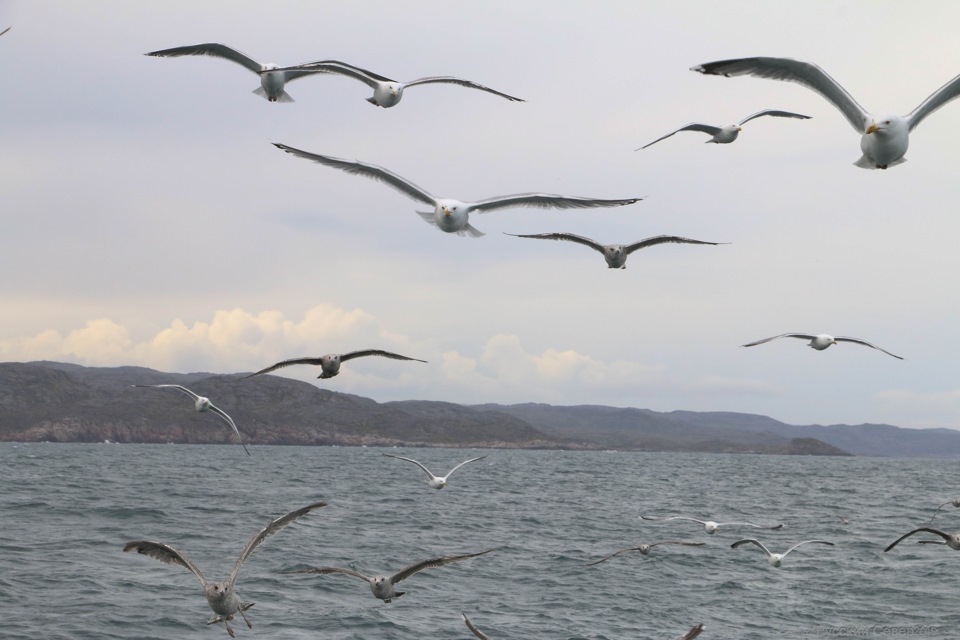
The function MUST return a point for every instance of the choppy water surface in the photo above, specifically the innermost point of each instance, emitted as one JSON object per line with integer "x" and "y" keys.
{"x": 67, "y": 510}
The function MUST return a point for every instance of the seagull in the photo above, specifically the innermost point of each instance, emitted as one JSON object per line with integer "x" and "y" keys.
{"x": 330, "y": 363}
{"x": 452, "y": 215}
{"x": 728, "y": 133}
{"x": 689, "y": 635}
{"x": 952, "y": 540}
{"x": 955, "y": 502}
{"x": 644, "y": 549}
{"x": 614, "y": 254}
{"x": 775, "y": 559}
{"x": 386, "y": 92}
{"x": 437, "y": 482}
{"x": 272, "y": 78}
{"x": 712, "y": 527}
{"x": 884, "y": 139}
{"x": 220, "y": 595}
{"x": 821, "y": 341}
{"x": 202, "y": 404}
{"x": 382, "y": 586}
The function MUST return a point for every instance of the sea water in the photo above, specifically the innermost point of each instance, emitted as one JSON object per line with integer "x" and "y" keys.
{"x": 66, "y": 511}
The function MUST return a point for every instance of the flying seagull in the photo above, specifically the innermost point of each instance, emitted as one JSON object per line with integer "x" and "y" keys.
{"x": 884, "y": 139}
{"x": 221, "y": 596}
{"x": 437, "y": 482}
{"x": 821, "y": 341}
{"x": 383, "y": 586}
{"x": 955, "y": 502}
{"x": 614, "y": 254}
{"x": 448, "y": 214}
{"x": 775, "y": 559}
{"x": 202, "y": 404}
{"x": 386, "y": 92}
{"x": 689, "y": 635}
{"x": 272, "y": 78}
{"x": 712, "y": 527}
{"x": 727, "y": 133}
{"x": 952, "y": 540}
{"x": 330, "y": 363}
{"x": 644, "y": 549}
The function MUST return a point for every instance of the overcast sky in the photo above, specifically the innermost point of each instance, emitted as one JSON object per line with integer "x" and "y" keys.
{"x": 146, "y": 219}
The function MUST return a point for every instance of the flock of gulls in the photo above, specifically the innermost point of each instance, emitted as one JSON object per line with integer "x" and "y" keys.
{"x": 883, "y": 144}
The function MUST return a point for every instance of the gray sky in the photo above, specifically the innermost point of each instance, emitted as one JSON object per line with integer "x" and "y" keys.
{"x": 146, "y": 218}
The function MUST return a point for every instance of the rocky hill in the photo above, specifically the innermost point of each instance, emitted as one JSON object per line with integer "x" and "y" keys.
{"x": 70, "y": 403}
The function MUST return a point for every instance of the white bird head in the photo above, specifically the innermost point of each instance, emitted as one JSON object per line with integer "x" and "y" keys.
{"x": 886, "y": 125}
{"x": 216, "y": 591}
{"x": 775, "y": 559}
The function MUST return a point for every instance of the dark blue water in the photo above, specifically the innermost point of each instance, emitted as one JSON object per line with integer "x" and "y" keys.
{"x": 67, "y": 510}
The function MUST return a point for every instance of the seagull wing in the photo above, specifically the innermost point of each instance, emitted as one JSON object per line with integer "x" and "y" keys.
{"x": 390, "y": 455}
{"x": 368, "y": 171}
{"x": 612, "y": 555}
{"x": 546, "y": 201}
{"x": 4, "y": 31}
{"x": 267, "y": 531}
{"x": 287, "y": 363}
{"x": 806, "y": 542}
{"x": 804, "y": 73}
{"x": 649, "y": 242}
{"x": 751, "y": 541}
{"x": 803, "y": 336}
{"x": 463, "y": 83}
{"x": 223, "y": 414}
{"x": 406, "y": 572}
{"x": 463, "y": 463}
{"x": 341, "y": 68}
{"x": 570, "y": 237}
{"x": 693, "y": 633}
{"x": 937, "y": 99}
{"x": 750, "y": 524}
{"x": 866, "y": 344}
{"x": 214, "y": 49}
{"x": 773, "y": 112}
{"x": 165, "y": 554}
{"x": 693, "y": 126}
{"x": 472, "y": 628}
{"x": 673, "y": 518}
{"x": 907, "y": 535}
{"x": 375, "y": 352}
{"x": 180, "y": 388}
{"x": 953, "y": 502}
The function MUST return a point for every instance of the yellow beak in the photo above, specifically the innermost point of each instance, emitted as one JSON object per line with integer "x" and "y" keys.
{"x": 873, "y": 128}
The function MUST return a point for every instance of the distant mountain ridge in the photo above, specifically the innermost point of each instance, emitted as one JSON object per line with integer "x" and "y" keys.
{"x": 64, "y": 402}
